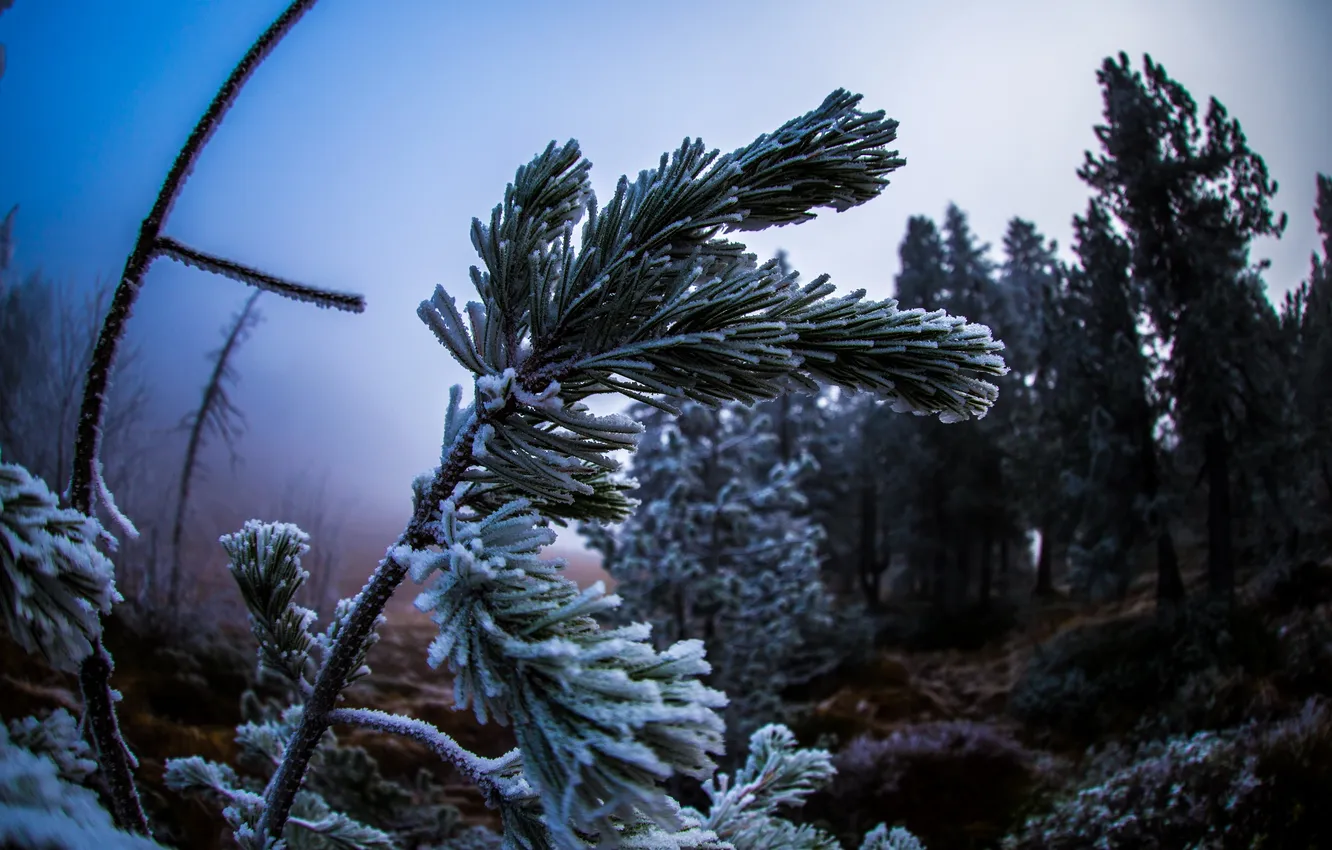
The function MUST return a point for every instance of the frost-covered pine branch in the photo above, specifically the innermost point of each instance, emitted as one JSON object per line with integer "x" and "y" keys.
{"x": 651, "y": 303}
{"x": 779, "y": 775}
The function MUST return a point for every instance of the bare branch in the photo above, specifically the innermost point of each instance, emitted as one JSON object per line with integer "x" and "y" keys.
{"x": 347, "y": 301}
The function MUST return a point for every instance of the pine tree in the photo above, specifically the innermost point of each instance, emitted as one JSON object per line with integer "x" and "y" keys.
{"x": 978, "y": 503}
{"x": 1028, "y": 285}
{"x": 923, "y": 280}
{"x": 1191, "y": 196}
{"x": 724, "y": 550}
{"x": 1306, "y": 328}
{"x": 1106, "y": 405}
{"x": 217, "y": 416}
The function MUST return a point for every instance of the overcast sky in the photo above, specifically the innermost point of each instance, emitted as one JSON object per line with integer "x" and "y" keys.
{"x": 361, "y": 150}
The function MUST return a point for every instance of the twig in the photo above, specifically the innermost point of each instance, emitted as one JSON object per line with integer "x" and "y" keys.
{"x": 94, "y": 677}
{"x": 348, "y": 301}
{"x": 479, "y": 770}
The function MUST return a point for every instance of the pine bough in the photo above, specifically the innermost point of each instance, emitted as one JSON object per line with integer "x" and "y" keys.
{"x": 649, "y": 299}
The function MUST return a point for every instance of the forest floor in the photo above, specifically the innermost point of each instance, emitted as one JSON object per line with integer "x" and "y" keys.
{"x": 182, "y": 700}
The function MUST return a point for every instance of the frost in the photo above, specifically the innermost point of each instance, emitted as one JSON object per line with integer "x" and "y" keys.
{"x": 109, "y": 502}
{"x": 54, "y": 580}
{"x": 39, "y": 808}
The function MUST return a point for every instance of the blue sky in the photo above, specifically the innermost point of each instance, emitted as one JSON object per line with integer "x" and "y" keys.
{"x": 362, "y": 148}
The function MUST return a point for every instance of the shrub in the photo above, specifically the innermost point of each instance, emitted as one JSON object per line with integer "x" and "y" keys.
{"x": 1290, "y": 585}
{"x": 1262, "y": 785}
{"x": 342, "y": 779}
{"x": 40, "y": 807}
{"x": 951, "y": 782}
{"x": 1101, "y": 680}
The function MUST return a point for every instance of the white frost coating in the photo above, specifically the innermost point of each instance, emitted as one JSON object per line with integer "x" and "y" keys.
{"x": 494, "y": 389}
{"x": 52, "y": 575}
{"x": 548, "y": 399}
{"x": 475, "y": 767}
{"x": 420, "y": 563}
{"x": 483, "y": 436}
{"x": 104, "y": 494}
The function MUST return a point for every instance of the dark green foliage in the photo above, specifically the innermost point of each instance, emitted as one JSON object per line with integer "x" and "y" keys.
{"x": 1104, "y": 408}
{"x": 1256, "y": 786}
{"x": 1306, "y": 332}
{"x": 950, "y": 510}
{"x": 1297, "y": 600}
{"x": 1191, "y": 196}
{"x": 1102, "y": 680}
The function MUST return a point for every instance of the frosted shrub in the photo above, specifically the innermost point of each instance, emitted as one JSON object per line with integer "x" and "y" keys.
{"x": 1255, "y": 786}
{"x": 648, "y": 298}
{"x": 1105, "y": 678}
{"x": 39, "y": 807}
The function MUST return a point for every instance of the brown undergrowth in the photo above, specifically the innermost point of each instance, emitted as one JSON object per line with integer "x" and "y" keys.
{"x": 930, "y": 734}
{"x": 182, "y": 697}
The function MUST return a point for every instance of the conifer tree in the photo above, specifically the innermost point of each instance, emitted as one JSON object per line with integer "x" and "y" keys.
{"x": 217, "y": 416}
{"x": 724, "y": 550}
{"x": 922, "y": 280}
{"x": 1112, "y": 456}
{"x": 1028, "y": 285}
{"x": 977, "y": 504}
{"x": 1191, "y": 195}
{"x": 1306, "y": 327}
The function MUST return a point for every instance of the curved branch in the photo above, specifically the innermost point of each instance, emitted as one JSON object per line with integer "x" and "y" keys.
{"x": 114, "y": 757}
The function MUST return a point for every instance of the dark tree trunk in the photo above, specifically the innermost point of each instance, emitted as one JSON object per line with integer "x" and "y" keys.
{"x": 1169, "y": 582}
{"x": 922, "y": 576}
{"x": 681, "y": 615}
{"x": 986, "y": 575}
{"x": 939, "y": 580}
{"x": 1220, "y": 551}
{"x": 1044, "y": 574}
{"x": 870, "y": 572}
{"x": 962, "y": 576}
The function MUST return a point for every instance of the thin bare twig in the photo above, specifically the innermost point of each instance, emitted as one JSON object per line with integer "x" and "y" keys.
{"x": 348, "y": 301}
